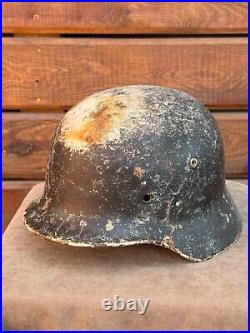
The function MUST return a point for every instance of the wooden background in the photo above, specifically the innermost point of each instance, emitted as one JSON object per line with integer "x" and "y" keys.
{"x": 55, "y": 54}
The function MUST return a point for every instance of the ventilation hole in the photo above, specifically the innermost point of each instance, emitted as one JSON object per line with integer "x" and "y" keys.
{"x": 193, "y": 162}
{"x": 146, "y": 197}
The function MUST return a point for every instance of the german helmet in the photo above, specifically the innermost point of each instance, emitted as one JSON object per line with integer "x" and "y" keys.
{"x": 137, "y": 165}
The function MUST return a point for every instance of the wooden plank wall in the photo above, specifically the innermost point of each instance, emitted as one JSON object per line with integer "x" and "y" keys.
{"x": 55, "y": 54}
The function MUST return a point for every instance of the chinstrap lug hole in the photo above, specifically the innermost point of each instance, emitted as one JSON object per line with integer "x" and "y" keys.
{"x": 193, "y": 162}
{"x": 147, "y": 197}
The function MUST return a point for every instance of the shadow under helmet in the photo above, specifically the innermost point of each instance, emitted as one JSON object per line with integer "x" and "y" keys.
{"x": 137, "y": 165}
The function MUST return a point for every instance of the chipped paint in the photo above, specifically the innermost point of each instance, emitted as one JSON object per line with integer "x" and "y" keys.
{"x": 109, "y": 226}
{"x": 98, "y": 126}
{"x": 99, "y": 119}
{"x": 137, "y": 165}
{"x": 83, "y": 223}
{"x": 168, "y": 242}
{"x": 139, "y": 172}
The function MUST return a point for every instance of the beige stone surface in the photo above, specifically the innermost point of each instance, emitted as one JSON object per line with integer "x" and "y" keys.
{"x": 49, "y": 286}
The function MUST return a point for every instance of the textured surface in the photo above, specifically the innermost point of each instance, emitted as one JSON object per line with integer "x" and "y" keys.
{"x": 50, "y": 286}
{"x": 13, "y": 193}
{"x": 118, "y": 18}
{"x": 26, "y": 138}
{"x": 61, "y": 71}
{"x": 137, "y": 164}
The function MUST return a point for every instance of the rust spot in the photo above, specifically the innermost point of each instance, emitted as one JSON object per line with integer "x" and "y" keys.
{"x": 139, "y": 172}
{"x": 168, "y": 242}
{"x": 95, "y": 129}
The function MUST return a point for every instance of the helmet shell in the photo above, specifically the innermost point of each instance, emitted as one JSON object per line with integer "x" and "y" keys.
{"x": 137, "y": 164}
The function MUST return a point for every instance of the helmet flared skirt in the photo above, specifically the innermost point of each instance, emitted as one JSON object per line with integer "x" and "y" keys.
{"x": 196, "y": 236}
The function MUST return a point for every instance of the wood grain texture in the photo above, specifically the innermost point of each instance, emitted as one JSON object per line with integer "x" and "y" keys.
{"x": 56, "y": 73}
{"x": 26, "y": 140}
{"x": 234, "y": 128}
{"x": 13, "y": 193}
{"x": 125, "y": 18}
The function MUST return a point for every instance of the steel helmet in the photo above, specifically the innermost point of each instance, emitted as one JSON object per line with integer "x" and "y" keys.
{"x": 137, "y": 165}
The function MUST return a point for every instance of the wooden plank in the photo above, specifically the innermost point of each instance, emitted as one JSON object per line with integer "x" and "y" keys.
{"x": 125, "y": 18}
{"x": 234, "y": 128}
{"x": 13, "y": 193}
{"x": 26, "y": 140}
{"x": 56, "y": 73}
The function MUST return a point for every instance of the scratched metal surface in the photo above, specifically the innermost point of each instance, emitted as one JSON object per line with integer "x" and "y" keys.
{"x": 53, "y": 287}
{"x": 138, "y": 165}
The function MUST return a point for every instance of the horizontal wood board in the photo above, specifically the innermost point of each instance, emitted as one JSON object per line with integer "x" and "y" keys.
{"x": 125, "y": 18}
{"x": 55, "y": 73}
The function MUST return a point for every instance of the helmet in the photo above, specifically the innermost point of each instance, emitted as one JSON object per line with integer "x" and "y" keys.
{"x": 137, "y": 165}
